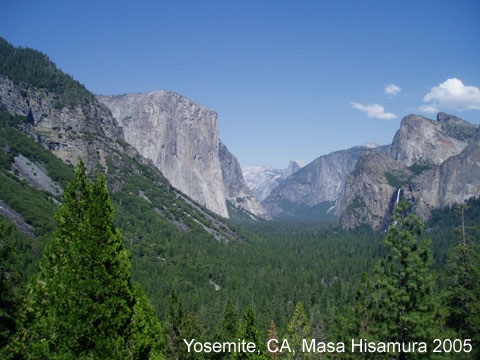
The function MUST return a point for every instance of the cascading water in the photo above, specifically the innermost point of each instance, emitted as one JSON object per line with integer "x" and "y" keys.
{"x": 399, "y": 192}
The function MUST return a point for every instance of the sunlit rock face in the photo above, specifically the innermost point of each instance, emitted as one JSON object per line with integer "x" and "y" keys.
{"x": 434, "y": 163}
{"x": 425, "y": 140}
{"x": 261, "y": 180}
{"x": 236, "y": 189}
{"x": 180, "y": 137}
{"x": 460, "y": 174}
{"x": 318, "y": 182}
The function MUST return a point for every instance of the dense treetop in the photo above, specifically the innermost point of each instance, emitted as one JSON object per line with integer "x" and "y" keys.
{"x": 35, "y": 68}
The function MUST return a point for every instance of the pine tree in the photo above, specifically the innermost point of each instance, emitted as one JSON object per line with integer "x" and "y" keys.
{"x": 228, "y": 329}
{"x": 174, "y": 322}
{"x": 273, "y": 335}
{"x": 191, "y": 328}
{"x": 9, "y": 284}
{"x": 82, "y": 303}
{"x": 462, "y": 297}
{"x": 298, "y": 329}
{"x": 248, "y": 331}
{"x": 401, "y": 307}
{"x": 364, "y": 306}
{"x": 229, "y": 322}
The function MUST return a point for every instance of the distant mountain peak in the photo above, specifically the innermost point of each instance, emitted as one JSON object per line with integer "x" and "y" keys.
{"x": 262, "y": 179}
{"x": 371, "y": 145}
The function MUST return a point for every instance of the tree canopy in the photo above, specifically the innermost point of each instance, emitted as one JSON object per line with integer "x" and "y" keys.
{"x": 82, "y": 303}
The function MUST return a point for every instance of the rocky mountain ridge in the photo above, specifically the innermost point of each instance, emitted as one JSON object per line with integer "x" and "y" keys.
{"x": 420, "y": 139}
{"x": 181, "y": 138}
{"x": 47, "y": 107}
{"x": 319, "y": 182}
{"x": 434, "y": 163}
{"x": 237, "y": 193}
{"x": 263, "y": 179}
{"x": 68, "y": 131}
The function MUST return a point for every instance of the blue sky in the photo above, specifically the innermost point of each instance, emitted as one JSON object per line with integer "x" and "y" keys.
{"x": 289, "y": 79}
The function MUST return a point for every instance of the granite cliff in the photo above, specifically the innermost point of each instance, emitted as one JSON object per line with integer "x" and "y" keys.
{"x": 82, "y": 128}
{"x": 57, "y": 112}
{"x": 263, "y": 179}
{"x": 434, "y": 163}
{"x": 236, "y": 190}
{"x": 181, "y": 138}
{"x": 459, "y": 175}
{"x": 317, "y": 185}
{"x": 420, "y": 139}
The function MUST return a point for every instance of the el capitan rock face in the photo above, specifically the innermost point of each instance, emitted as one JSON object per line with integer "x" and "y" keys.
{"x": 181, "y": 138}
{"x": 57, "y": 112}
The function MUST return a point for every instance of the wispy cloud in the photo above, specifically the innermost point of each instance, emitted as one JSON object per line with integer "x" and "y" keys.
{"x": 392, "y": 89}
{"x": 374, "y": 111}
{"x": 451, "y": 94}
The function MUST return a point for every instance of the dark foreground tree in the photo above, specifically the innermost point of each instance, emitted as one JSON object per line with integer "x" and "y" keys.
{"x": 401, "y": 307}
{"x": 82, "y": 304}
{"x": 248, "y": 331}
{"x": 462, "y": 295}
{"x": 9, "y": 284}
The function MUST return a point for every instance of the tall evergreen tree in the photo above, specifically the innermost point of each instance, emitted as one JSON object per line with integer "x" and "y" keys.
{"x": 401, "y": 307}
{"x": 82, "y": 303}
{"x": 191, "y": 328}
{"x": 273, "y": 335}
{"x": 248, "y": 331}
{"x": 175, "y": 316}
{"x": 9, "y": 284}
{"x": 229, "y": 322}
{"x": 462, "y": 297}
{"x": 298, "y": 329}
{"x": 228, "y": 329}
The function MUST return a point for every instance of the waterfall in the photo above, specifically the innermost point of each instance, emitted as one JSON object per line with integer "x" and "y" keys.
{"x": 399, "y": 191}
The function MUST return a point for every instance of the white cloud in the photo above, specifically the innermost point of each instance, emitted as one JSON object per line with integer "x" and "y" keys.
{"x": 392, "y": 89}
{"x": 374, "y": 111}
{"x": 430, "y": 109}
{"x": 452, "y": 94}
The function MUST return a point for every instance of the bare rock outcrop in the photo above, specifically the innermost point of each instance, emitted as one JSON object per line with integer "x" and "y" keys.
{"x": 179, "y": 136}
{"x": 432, "y": 163}
{"x": 236, "y": 189}
{"x": 261, "y": 180}
{"x": 368, "y": 193}
{"x": 318, "y": 182}
{"x": 69, "y": 131}
{"x": 420, "y": 139}
{"x": 460, "y": 175}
